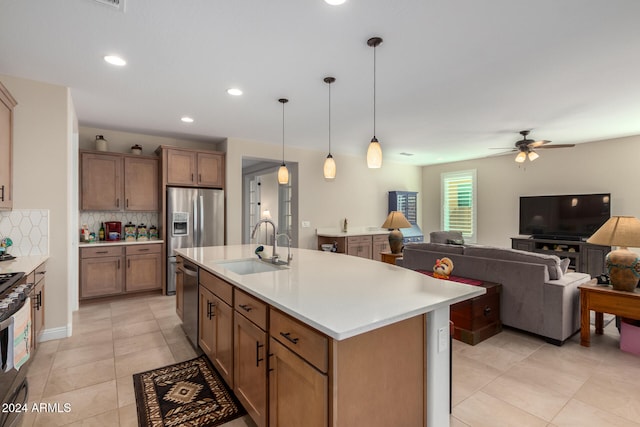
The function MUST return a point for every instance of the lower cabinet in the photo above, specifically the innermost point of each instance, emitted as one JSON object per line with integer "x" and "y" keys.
{"x": 251, "y": 368}
{"x": 365, "y": 246}
{"x": 179, "y": 288}
{"x": 37, "y": 279}
{"x": 297, "y": 391}
{"x": 115, "y": 270}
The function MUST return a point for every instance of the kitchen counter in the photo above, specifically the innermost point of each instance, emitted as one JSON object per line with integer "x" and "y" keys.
{"x": 351, "y": 231}
{"x": 339, "y": 295}
{"x": 25, "y": 264}
{"x": 117, "y": 243}
{"x": 351, "y": 299}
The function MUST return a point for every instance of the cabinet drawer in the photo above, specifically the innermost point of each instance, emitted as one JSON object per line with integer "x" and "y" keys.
{"x": 302, "y": 340}
{"x": 251, "y": 308}
{"x": 101, "y": 252}
{"x": 153, "y": 248}
{"x": 217, "y": 286}
{"x": 359, "y": 240}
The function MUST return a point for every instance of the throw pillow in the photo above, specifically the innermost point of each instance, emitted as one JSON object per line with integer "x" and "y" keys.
{"x": 564, "y": 265}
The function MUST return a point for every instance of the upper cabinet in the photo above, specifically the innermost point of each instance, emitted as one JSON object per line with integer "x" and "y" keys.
{"x": 116, "y": 182}
{"x": 193, "y": 168}
{"x": 7, "y": 103}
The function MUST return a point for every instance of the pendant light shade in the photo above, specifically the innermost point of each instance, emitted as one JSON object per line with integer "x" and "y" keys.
{"x": 283, "y": 172}
{"x": 374, "y": 152}
{"x": 329, "y": 163}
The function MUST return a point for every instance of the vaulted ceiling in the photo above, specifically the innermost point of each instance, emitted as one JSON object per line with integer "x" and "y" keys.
{"x": 454, "y": 78}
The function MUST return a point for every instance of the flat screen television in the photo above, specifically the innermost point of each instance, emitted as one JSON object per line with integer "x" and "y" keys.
{"x": 564, "y": 217}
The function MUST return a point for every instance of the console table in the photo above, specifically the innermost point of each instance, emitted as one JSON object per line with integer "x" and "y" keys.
{"x": 585, "y": 257}
{"x": 603, "y": 299}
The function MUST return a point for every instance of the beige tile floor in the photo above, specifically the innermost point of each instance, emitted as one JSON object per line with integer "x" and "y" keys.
{"x": 511, "y": 379}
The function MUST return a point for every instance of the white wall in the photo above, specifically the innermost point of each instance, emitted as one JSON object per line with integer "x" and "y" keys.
{"x": 42, "y": 169}
{"x": 609, "y": 166}
{"x": 358, "y": 193}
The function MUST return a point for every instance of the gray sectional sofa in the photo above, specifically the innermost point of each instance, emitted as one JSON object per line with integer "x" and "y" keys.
{"x": 538, "y": 294}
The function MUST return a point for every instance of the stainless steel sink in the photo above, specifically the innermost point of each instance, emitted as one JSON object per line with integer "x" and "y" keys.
{"x": 250, "y": 266}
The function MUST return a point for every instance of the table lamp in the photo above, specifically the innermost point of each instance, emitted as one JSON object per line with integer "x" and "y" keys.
{"x": 622, "y": 264}
{"x": 396, "y": 220}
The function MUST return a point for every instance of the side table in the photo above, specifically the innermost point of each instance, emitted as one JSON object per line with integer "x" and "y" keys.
{"x": 603, "y": 299}
{"x": 390, "y": 258}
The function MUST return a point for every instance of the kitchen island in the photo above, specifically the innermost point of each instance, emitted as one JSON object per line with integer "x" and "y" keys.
{"x": 378, "y": 335}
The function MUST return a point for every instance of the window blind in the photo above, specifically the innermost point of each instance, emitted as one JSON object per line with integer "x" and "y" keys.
{"x": 458, "y": 203}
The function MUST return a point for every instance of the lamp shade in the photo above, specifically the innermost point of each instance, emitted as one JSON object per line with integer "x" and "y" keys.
{"x": 329, "y": 167}
{"x": 396, "y": 219}
{"x": 374, "y": 154}
{"x": 283, "y": 174}
{"x": 521, "y": 157}
{"x": 618, "y": 231}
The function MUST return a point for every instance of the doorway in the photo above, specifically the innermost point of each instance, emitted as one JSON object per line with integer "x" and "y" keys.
{"x": 263, "y": 197}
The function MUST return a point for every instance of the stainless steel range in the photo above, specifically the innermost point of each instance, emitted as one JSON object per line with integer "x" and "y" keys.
{"x": 14, "y": 388}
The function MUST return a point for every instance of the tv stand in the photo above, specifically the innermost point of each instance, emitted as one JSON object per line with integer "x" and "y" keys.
{"x": 585, "y": 257}
{"x": 556, "y": 237}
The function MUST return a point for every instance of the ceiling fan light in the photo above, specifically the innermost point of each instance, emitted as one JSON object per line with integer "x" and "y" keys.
{"x": 521, "y": 157}
{"x": 374, "y": 154}
{"x": 533, "y": 155}
{"x": 329, "y": 167}
{"x": 283, "y": 175}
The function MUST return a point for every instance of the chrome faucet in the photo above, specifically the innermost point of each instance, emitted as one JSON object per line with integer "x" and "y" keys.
{"x": 289, "y": 256}
{"x": 274, "y": 254}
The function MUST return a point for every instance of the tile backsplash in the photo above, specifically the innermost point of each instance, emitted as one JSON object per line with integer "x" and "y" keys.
{"x": 28, "y": 229}
{"x": 94, "y": 219}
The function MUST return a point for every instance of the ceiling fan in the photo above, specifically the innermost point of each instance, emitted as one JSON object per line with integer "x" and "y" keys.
{"x": 526, "y": 147}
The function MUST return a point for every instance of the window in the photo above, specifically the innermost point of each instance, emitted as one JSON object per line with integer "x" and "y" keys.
{"x": 459, "y": 203}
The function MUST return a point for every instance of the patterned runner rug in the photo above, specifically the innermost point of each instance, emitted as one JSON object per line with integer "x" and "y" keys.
{"x": 190, "y": 393}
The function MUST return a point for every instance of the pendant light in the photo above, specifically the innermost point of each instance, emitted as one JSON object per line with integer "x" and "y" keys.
{"x": 329, "y": 163}
{"x": 283, "y": 172}
{"x": 374, "y": 152}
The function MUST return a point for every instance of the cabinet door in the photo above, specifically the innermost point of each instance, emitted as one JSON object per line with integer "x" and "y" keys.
{"x": 250, "y": 368}
{"x": 38, "y": 318}
{"x": 223, "y": 343}
{"x": 206, "y": 326}
{"x": 211, "y": 170}
{"x": 143, "y": 272}
{"x": 101, "y": 276}
{"x": 181, "y": 167}
{"x": 140, "y": 184}
{"x": 380, "y": 244}
{"x": 101, "y": 182}
{"x": 298, "y": 393}
{"x": 180, "y": 292}
{"x": 6, "y": 136}
{"x": 592, "y": 259}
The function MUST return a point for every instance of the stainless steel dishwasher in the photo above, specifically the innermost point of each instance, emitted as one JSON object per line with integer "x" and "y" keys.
{"x": 190, "y": 314}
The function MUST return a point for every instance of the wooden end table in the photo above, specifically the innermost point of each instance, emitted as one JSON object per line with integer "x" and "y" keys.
{"x": 603, "y": 299}
{"x": 390, "y": 258}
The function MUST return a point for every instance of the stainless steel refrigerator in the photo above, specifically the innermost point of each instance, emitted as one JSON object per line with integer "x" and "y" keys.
{"x": 195, "y": 218}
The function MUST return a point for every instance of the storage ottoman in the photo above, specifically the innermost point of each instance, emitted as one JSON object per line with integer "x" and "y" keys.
{"x": 630, "y": 336}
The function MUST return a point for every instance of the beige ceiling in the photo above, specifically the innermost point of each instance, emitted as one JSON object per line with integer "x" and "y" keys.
{"x": 454, "y": 77}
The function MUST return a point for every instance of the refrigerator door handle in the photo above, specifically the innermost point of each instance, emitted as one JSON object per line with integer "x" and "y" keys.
{"x": 196, "y": 220}
{"x": 201, "y": 223}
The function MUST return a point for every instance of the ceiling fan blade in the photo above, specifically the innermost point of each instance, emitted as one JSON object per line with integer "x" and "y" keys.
{"x": 502, "y": 148}
{"x": 538, "y": 144}
{"x": 557, "y": 146}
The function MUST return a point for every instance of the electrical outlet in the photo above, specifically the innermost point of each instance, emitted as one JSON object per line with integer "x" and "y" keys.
{"x": 306, "y": 224}
{"x": 443, "y": 339}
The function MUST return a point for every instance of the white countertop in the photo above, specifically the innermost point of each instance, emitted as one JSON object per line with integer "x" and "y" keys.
{"x": 117, "y": 243}
{"x": 351, "y": 231}
{"x": 25, "y": 264}
{"x": 339, "y": 295}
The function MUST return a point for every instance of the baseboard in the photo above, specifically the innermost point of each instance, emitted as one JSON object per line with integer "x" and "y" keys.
{"x": 55, "y": 333}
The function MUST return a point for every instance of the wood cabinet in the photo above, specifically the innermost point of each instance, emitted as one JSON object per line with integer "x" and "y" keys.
{"x": 366, "y": 246}
{"x": 7, "y": 103}
{"x": 101, "y": 271}
{"x": 118, "y": 182}
{"x": 584, "y": 257}
{"x": 36, "y": 279}
{"x": 144, "y": 268}
{"x": 194, "y": 168}
{"x": 250, "y": 356}
{"x": 114, "y": 270}
{"x": 215, "y": 334}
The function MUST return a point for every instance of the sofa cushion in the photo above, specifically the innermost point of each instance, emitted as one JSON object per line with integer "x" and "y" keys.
{"x": 437, "y": 247}
{"x": 443, "y": 236}
{"x": 551, "y": 261}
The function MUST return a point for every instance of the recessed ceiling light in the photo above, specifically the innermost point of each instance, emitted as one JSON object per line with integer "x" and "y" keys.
{"x": 234, "y": 91}
{"x": 334, "y": 2}
{"x": 115, "y": 60}
{"x": 187, "y": 119}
